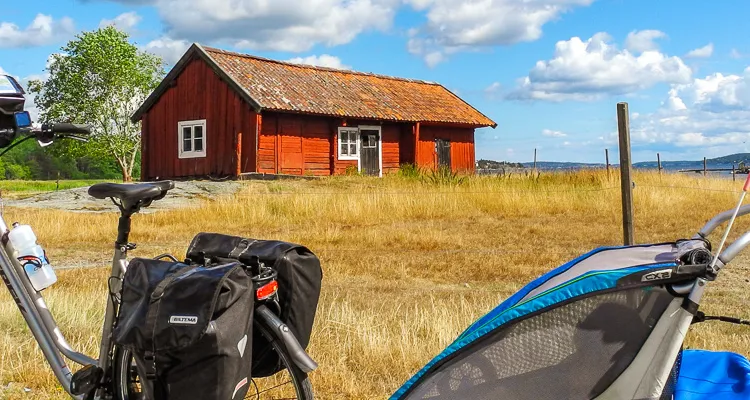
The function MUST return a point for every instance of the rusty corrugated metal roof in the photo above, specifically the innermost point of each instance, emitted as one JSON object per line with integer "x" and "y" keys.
{"x": 283, "y": 86}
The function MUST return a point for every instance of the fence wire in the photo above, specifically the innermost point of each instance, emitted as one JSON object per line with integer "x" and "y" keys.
{"x": 436, "y": 193}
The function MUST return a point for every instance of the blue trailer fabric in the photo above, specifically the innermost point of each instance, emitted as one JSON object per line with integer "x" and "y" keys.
{"x": 712, "y": 375}
{"x": 517, "y": 306}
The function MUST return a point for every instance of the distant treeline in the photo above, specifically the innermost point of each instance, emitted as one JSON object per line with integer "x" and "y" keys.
{"x": 490, "y": 164}
{"x": 30, "y": 161}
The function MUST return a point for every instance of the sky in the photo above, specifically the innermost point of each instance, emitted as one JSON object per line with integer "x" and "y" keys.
{"x": 549, "y": 72}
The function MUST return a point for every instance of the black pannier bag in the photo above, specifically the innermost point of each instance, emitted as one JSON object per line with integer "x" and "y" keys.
{"x": 188, "y": 327}
{"x": 299, "y": 276}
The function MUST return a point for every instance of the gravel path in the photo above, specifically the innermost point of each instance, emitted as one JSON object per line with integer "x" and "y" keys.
{"x": 184, "y": 194}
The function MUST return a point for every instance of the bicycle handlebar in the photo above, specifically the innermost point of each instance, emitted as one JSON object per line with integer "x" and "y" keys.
{"x": 69, "y": 128}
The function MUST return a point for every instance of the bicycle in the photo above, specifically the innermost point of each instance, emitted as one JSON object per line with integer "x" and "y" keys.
{"x": 112, "y": 375}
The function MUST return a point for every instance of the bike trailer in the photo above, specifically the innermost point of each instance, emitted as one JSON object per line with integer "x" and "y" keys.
{"x": 607, "y": 325}
{"x": 188, "y": 327}
{"x": 713, "y": 375}
{"x": 299, "y": 277}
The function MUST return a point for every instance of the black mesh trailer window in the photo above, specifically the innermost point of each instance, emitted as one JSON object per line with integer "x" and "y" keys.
{"x": 574, "y": 351}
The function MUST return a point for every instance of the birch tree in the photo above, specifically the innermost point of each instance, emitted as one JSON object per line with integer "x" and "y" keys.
{"x": 100, "y": 79}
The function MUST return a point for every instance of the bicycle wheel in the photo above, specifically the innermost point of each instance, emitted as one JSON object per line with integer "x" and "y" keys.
{"x": 289, "y": 383}
{"x": 127, "y": 383}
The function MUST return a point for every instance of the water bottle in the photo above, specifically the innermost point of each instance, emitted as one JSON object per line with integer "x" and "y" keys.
{"x": 32, "y": 257}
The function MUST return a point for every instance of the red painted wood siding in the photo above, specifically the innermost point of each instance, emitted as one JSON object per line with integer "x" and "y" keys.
{"x": 307, "y": 143}
{"x": 304, "y": 143}
{"x": 462, "y": 147}
{"x": 198, "y": 93}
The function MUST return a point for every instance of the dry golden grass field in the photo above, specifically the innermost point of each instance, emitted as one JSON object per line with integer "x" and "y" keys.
{"x": 407, "y": 265}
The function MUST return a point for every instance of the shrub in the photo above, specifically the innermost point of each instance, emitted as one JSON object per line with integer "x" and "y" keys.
{"x": 444, "y": 176}
{"x": 352, "y": 171}
{"x": 410, "y": 171}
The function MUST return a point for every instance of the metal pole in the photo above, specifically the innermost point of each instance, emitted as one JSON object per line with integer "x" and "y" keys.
{"x": 534, "y": 160}
{"x": 606, "y": 156}
{"x": 626, "y": 166}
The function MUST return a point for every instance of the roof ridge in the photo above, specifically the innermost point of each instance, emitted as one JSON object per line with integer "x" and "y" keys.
{"x": 319, "y": 68}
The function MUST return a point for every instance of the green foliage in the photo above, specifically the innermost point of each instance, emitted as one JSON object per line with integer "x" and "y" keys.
{"x": 45, "y": 186}
{"x": 443, "y": 176}
{"x": 410, "y": 171}
{"x": 101, "y": 79}
{"x": 29, "y": 161}
{"x": 353, "y": 171}
{"x": 490, "y": 164}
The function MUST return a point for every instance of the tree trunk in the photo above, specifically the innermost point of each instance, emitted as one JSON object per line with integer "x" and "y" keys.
{"x": 125, "y": 170}
{"x": 126, "y": 175}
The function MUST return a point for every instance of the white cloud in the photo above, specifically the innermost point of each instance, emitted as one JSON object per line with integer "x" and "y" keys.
{"x": 493, "y": 88}
{"x": 587, "y": 70}
{"x": 43, "y": 30}
{"x": 551, "y": 133}
{"x": 125, "y": 21}
{"x": 494, "y": 91}
{"x": 323, "y": 60}
{"x": 718, "y": 92}
{"x": 701, "y": 52}
{"x": 712, "y": 113}
{"x": 645, "y": 40}
{"x": 735, "y": 54}
{"x": 456, "y": 26}
{"x": 434, "y": 58}
{"x": 168, "y": 49}
{"x": 279, "y": 25}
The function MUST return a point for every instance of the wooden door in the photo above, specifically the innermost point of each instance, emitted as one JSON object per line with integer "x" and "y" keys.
{"x": 443, "y": 151}
{"x": 369, "y": 140}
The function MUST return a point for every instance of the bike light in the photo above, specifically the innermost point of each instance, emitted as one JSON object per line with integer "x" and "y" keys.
{"x": 23, "y": 119}
{"x": 267, "y": 290}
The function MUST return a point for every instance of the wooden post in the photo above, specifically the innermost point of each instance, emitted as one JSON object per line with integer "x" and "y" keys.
{"x": 705, "y": 169}
{"x": 734, "y": 174}
{"x": 57, "y": 186}
{"x": 623, "y": 127}
{"x": 606, "y": 157}
{"x": 238, "y": 154}
{"x": 658, "y": 162}
{"x": 534, "y": 160}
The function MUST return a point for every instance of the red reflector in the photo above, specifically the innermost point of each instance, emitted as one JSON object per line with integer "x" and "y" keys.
{"x": 267, "y": 290}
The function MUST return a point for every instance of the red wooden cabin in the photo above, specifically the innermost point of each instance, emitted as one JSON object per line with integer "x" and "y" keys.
{"x": 221, "y": 114}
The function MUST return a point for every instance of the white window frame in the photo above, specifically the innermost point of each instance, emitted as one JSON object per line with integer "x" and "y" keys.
{"x": 380, "y": 145}
{"x": 180, "y": 143}
{"x": 338, "y": 148}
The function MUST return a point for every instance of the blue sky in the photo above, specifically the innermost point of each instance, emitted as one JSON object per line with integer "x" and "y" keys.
{"x": 549, "y": 72}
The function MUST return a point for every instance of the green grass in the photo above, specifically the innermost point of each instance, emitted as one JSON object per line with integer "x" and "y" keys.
{"x": 45, "y": 186}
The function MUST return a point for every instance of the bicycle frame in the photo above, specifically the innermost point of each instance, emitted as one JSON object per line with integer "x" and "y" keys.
{"x": 40, "y": 321}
